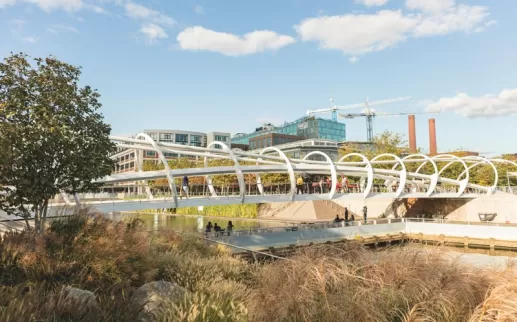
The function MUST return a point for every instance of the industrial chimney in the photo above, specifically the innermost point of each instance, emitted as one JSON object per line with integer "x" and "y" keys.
{"x": 412, "y": 133}
{"x": 432, "y": 137}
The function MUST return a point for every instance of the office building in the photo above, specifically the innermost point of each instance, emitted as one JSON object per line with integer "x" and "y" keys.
{"x": 306, "y": 127}
{"x": 299, "y": 149}
{"x": 126, "y": 158}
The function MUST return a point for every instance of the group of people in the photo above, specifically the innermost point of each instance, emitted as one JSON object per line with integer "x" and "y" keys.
{"x": 352, "y": 217}
{"x": 217, "y": 229}
{"x": 321, "y": 185}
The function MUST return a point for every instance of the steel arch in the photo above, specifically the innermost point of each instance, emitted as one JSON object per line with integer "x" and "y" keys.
{"x": 333, "y": 172}
{"x": 433, "y": 178}
{"x": 238, "y": 171}
{"x": 290, "y": 170}
{"x": 402, "y": 173}
{"x": 463, "y": 183}
{"x": 369, "y": 171}
{"x": 140, "y": 169}
{"x": 490, "y": 190}
{"x": 162, "y": 158}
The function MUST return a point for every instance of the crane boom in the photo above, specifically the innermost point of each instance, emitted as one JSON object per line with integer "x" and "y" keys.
{"x": 334, "y": 108}
{"x": 370, "y": 115}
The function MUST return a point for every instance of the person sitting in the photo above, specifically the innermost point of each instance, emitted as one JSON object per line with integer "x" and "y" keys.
{"x": 208, "y": 228}
{"x": 217, "y": 229}
{"x": 337, "y": 219}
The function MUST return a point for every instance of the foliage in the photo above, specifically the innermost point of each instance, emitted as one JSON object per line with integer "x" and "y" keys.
{"x": 52, "y": 138}
{"x": 319, "y": 283}
{"x": 241, "y": 211}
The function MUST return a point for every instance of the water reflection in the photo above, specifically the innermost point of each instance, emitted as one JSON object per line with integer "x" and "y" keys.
{"x": 194, "y": 223}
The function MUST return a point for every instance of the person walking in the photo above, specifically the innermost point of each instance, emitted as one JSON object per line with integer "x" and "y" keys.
{"x": 365, "y": 214}
{"x": 346, "y": 216}
{"x": 184, "y": 187}
{"x": 344, "y": 184}
{"x": 299, "y": 185}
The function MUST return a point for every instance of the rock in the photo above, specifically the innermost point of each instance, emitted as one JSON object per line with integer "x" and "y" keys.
{"x": 152, "y": 296}
{"x": 79, "y": 304}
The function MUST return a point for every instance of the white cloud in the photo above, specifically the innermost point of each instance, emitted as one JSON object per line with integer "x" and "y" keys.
{"x": 48, "y": 5}
{"x": 198, "y": 38}
{"x": 372, "y": 3}
{"x": 140, "y": 12}
{"x": 153, "y": 32}
{"x": 429, "y": 5}
{"x": 30, "y": 39}
{"x": 459, "y": 18}
{"x": 488, "y": 105}
{"x": 99, "y": 10}
{"x": 58, "y": 28}
{"x": 358, "y": 33}
{"x": 353, "y": 59}
{"x": 6, "y": 3}
{"x": 199, "y": 10}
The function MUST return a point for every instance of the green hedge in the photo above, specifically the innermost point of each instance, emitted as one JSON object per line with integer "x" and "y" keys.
{"x": 241, "y": 211}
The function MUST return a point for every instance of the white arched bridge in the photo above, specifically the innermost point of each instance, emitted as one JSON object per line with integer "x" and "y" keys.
{"x": 384, "y": 176}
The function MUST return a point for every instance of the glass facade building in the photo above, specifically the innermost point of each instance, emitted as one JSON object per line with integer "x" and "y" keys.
{"x": 307, "y": 127}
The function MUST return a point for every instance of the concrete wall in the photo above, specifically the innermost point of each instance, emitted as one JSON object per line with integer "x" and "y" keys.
{"x": 473, "y": 231}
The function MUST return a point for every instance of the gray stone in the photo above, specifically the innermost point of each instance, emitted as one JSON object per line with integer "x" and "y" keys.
{"x": 79, "y": 304}
{"x": 152, "y": 296}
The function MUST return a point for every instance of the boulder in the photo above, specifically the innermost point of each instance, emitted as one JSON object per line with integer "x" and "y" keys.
{"x": 79, "y": 304}
{"x": 149, "y": 298}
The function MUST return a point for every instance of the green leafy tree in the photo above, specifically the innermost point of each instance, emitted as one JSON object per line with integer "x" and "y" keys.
{"x": 52, "y": 138}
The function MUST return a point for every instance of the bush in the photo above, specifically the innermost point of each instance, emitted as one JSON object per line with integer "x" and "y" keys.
{"x": 319, "y": 283}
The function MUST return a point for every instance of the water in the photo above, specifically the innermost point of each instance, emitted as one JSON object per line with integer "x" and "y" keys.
{"x": 196, "y": 223}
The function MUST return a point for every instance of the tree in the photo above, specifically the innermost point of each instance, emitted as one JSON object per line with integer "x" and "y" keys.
{"x": 52, "y": 138}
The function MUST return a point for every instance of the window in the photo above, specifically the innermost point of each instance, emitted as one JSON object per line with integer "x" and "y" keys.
{"x": 132, "y": 165}
{"x": 195, "y": 138}
{"x": 170, "y": 155}
{"x": 221, "y": 138}
{"x": 165, "y": 137}
{"x": 150, "y": 153}
{"x": 268, "y": 141}
{"x": 181, "y": 138}
{"x": 195, "y": 143}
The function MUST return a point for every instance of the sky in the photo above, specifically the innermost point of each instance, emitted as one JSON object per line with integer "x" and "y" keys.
{"x": 206, "y": 65}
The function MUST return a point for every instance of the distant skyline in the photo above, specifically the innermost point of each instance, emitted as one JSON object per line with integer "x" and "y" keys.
{"x": 231, "y": 66}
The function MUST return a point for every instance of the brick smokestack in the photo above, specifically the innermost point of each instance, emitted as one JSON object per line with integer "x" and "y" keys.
{"x": 412, "y": 133}
{"x": 432, "y": 137}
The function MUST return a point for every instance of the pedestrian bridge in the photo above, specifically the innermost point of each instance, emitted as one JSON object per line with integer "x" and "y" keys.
{"x": 383, "y": 176}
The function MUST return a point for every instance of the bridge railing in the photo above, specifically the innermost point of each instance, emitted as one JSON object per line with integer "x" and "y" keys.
{"x": 331, "y": 224}
{"x": 139, "y": 191}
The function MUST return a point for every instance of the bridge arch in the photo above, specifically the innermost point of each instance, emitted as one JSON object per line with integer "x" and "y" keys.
{"x": 433, "y": 178}
{"x": 163, "y": 160}
{"x": 290, "y": 170}
{"x": 369, "y": 171}
{"x": 333, "y": 172}
{"x": 461, "y": 183}
{"x": 489, "y": 190}
{"x": 238, "y": 171}
{"x": 402, "y": 173}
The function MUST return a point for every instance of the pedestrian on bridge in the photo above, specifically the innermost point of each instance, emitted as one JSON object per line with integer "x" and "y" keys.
{"x": 184, "y": 186}
{"x": 346, "y": 216}
{"x": 365, "y": 213}
{"x": 299, "y": 185}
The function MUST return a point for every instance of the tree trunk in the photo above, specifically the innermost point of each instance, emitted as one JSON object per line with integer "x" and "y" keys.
{"x": 37, "y": 218}
{"x": 44, "y": 209}
{"x": 27, "y": 222}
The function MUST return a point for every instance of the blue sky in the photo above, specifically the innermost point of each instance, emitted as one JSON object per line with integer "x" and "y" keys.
{"x": 231, "y": 65}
